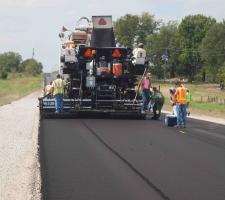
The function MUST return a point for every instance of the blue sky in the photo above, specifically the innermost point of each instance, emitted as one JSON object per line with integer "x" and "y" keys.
{"x": 28, "y": 24}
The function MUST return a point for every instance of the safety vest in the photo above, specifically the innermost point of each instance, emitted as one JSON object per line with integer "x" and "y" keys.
{"x": 181, "y": 95}
{"x": 57, "y": 86}
{"x": 188, "y": 95}
{"x": 158, "y": 97}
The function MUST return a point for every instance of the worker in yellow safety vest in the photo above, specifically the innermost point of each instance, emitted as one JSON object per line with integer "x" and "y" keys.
{"x": 181, "y": 101}
{"x": 58, "y": 88}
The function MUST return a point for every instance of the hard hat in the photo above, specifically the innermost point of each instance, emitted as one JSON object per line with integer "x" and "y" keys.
{"x": 172, "y": 90}
{"x": 140, "y": 45}
{"x": 154, "y": 89}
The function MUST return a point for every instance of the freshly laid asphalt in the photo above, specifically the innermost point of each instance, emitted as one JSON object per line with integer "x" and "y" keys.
{"x": 111, "y": 159}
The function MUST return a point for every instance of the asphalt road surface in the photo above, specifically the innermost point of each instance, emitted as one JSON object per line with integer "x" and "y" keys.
{"x": 106, "y": 159}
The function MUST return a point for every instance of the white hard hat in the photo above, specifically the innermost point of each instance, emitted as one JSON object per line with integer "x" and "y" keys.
{"x": 172, "y": 89}
{"x": 140, "y": 45}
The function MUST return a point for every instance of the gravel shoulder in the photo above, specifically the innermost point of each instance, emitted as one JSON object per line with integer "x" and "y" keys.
{"x": 19, "y": 166}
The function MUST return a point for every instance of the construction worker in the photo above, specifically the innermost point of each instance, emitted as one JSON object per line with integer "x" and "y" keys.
{"x": 146, "y": 91}
{"x": 158, "y": 101}
{"x": 181, "y": 101}
{"x": 139, "y": 55}
{"x": 58, "y": 88}
{"x": 188, "y": 97}
{"x": 48, "y": 90}
{"x": 173, "y": 101}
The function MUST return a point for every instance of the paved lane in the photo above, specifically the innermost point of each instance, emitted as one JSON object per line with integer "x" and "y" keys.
{"x": 132, "y": 159}
{"x": 75, "y": 165}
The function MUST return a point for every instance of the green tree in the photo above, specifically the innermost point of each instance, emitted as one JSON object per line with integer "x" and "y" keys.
{"x": 131, "y": 29}
{"x": 147, "y": 25}
{"x": 31, "y": 66}
{"x": 192, "y": 31}
{"x": 163, "y": 49}
{"x": 10, "y": 61}
{"x": 126, "y": 29}
{"x": 213, "y": 49}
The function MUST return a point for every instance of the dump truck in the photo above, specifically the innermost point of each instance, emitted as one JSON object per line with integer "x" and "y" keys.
{"x": 100, "y": 77}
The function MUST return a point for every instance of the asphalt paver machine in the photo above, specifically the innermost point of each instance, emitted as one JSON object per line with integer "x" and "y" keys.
{"x": 100, "y": 78}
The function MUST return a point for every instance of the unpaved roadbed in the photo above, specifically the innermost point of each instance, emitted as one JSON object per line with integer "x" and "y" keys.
{"x": 19, "y": 166}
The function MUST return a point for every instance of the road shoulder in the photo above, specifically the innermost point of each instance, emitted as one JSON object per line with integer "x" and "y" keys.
{"x": 19, "y": 165}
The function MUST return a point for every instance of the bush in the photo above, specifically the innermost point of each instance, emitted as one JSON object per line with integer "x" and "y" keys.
{"x": 31, "y": 67}
{"x": 3, "y": 74}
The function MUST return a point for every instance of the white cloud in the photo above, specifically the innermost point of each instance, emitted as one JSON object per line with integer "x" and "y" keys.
{"x": 177, "y": 9}
{"x": 8, "y": 40}
{"x": 31, "y": 3}
{"x": 18, "y": 40}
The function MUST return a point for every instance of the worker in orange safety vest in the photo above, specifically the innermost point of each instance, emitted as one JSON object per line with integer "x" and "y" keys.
{"x": 181, "y": 101}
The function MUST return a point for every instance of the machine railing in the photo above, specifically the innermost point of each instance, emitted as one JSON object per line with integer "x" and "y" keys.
{"x": 46, "y": 104}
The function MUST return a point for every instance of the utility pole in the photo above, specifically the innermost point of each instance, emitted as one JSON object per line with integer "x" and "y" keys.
{"x": 33, "y": 54}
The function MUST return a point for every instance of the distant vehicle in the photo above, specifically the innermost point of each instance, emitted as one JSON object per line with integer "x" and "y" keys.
{"x": 99, "y": 76}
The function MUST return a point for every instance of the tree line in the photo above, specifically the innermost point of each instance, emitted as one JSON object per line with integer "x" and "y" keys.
{"x": 192, "y": 49}
{"x": 11, "y": 62}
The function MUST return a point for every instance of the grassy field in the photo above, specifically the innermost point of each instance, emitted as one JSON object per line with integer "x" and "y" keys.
{"x": 206, "y": 99}
{"x": 17, "y": 87}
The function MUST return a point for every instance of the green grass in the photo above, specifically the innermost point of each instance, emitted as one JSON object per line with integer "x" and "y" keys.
{"x": 17, "y": 87}
{"x": 199, "y": 96}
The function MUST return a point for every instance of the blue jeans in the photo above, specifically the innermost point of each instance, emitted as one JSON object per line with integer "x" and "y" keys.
{"x": 181, "y": 114}
{"x": 146, "y": 98}
{"x": 58, "y": 102}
